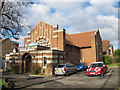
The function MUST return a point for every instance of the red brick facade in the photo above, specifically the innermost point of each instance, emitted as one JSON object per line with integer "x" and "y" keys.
{"x": 45, "y": 46}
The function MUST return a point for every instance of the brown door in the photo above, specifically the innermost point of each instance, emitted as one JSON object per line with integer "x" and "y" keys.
{"x": 26, "y": 63}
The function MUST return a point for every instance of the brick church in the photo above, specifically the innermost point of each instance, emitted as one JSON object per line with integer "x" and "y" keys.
{"x": 46, "y": 46}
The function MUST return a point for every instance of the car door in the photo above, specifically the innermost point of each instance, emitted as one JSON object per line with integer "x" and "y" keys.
{"x": 72, "y": 68}
{"x": 68, "y": 68}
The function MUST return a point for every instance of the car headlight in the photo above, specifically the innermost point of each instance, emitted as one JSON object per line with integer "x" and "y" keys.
{"x": 80, "y": 67}
{"x": 87, "y": 70}
{"x": 99, "y": 69}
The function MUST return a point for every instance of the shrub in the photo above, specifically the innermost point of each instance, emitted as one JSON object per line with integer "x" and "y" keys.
{"x": 38, "y": 70}
{"x": 117, "y": 59}
{"x": 43, "y": 70}
{"x": 107, "y": 59}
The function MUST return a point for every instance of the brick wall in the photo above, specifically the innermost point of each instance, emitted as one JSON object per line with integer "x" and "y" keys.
{"x": 52, "y": 35}
{"x": 72, "y": 54}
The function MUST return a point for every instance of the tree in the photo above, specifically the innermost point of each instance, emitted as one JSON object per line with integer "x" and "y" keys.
{"x": 117, "y": 59}
{"x": 117, "y": 55}
{"x": 11, "y": 15}
{"x": 117, "y": 52}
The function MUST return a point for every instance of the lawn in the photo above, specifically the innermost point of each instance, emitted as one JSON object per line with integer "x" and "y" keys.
{"x": 113, "y": 65}
{"x": 0, "y": 82}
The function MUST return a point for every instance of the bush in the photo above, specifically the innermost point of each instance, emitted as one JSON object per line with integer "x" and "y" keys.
{"x": 43, "y": 70}
{"x": 117, "y": 59}
{"x": 107, "y": 59}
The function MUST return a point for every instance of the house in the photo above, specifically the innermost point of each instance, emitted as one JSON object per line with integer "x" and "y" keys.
{"x": 46, "y": 46}
{"x": 107, "y": 48}
{"x": 7, "y": 47}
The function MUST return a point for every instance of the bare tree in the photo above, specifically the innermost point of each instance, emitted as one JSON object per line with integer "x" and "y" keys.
{"x": 11, "y": 16}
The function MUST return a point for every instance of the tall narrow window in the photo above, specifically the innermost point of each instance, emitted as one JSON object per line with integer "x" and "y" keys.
{"x": 44, "y": 61}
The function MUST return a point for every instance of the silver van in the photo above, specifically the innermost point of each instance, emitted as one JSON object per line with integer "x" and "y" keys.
{"x": 65, "y": 69}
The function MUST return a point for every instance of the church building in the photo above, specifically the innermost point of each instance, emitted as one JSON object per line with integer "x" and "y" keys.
{"x": 46, "y": 46}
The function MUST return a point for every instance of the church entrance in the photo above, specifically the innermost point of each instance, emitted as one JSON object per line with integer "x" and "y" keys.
{"x": 26, "y": 63}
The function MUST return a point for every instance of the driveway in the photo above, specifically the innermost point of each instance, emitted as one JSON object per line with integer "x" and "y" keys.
{"x": 79, "y": 80}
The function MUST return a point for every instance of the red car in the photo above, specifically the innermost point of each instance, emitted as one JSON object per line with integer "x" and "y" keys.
{"x": 97, "y": 68}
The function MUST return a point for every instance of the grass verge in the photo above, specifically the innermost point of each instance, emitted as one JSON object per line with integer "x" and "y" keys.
{"x": 113, "y": 65}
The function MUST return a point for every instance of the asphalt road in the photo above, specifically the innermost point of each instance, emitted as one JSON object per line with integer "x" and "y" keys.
{"x": 79, "y": 80}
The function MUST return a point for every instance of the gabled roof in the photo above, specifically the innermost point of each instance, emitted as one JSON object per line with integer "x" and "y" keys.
{"x": 80, "y": 39}
{"x": 69, "y": 40}
{"x": 105, "y": 44}
{"x": 3, "y": 39}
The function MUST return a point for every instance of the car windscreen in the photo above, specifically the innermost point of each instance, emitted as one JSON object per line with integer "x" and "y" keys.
{"x": 60, "y": 66}
{"x": 96, "y": 65}
{"x": 79, "y": 64}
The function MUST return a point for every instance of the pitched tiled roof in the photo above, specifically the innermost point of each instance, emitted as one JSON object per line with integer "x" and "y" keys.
{"x": 105, "y": 44}
{"x": 69, "y": 40}
{"x": 80, "y": 39}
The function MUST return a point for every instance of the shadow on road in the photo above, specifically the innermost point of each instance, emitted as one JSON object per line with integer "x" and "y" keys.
{"x": 40, "y": 83}
{"x": 107, "y": 79}
{"x": 34, "y": 78}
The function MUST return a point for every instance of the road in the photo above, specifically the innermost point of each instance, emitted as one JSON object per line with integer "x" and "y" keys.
{"x": 79, "y": 80}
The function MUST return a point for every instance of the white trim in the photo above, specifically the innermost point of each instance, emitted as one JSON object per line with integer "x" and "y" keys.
{"x": 55, "y": 26}
{"x": 7, "y": 54}
{"x": 55, "y": 36}
{"x": 18, "y": 61}
{"x": 43, "y": 36}
{"x": 55, "y": 48}
{"x": 60, "y": 30}
{"x": 40, "y": 36}
{"x": 28, "y": 40}
{"x": 49, "y": 61}
{"x": 47, "y": 56}
{"x": 27, "y": 36}
{"x": 36, "y": 61}
{"x": 39, "y": 61}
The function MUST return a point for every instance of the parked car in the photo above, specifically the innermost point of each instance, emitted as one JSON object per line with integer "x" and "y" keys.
{"x": 97, "y": 68}
{"x": 65, "y": 69}
{"x": 81, "y": 66}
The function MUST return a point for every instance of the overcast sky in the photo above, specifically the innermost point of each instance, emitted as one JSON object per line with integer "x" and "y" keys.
{"x": 77, "y": 17}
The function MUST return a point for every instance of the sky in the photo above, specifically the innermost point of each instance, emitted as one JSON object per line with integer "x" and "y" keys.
{"x": 76, "y": 17}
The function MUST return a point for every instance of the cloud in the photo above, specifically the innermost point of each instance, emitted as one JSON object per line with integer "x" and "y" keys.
{"x": 77, "y": 17}
{"x": 20, "y": 40}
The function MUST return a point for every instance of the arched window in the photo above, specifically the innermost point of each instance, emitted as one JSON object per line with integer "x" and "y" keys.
{"x": 43, "y": 42}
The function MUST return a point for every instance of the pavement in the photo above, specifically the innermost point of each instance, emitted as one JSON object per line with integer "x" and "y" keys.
{"x": 79, "y": 80}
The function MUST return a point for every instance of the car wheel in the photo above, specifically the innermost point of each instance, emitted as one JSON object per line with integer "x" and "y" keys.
{"x": 75, "y": 71}
{"x": 83, "y": 68}
{"x": 67, "y": 73}
{"x": 102, "y": 74}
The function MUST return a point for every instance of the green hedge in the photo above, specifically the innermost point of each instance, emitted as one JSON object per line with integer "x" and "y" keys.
{"x": 107, "y": 59}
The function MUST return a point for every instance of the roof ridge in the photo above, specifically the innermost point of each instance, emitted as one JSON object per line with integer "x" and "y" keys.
{"x": 73, "y": 40}
{"x": 84, "y": 32}
{"x": 4, "y": 39}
